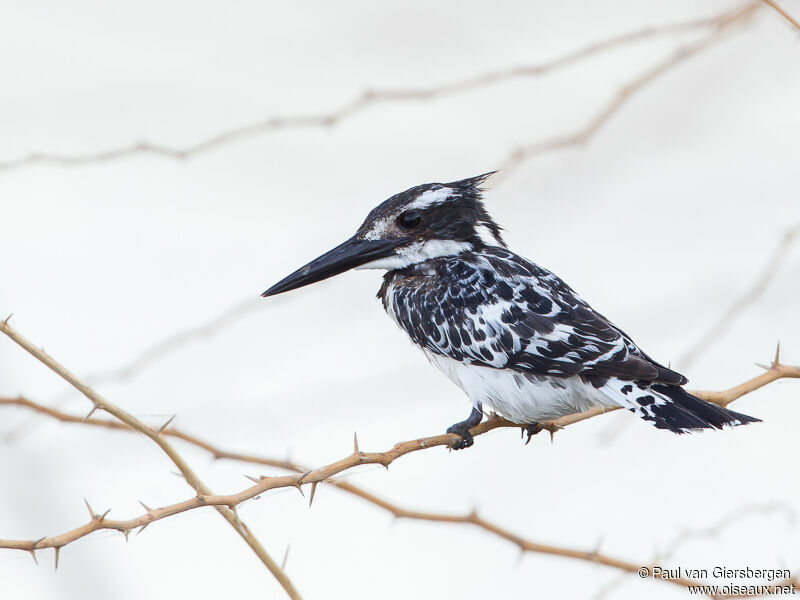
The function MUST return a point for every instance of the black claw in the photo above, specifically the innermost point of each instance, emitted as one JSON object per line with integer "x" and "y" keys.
{"x": 531, "y": 429}
{"x": 462, "y": 429}
{"x": 465, "y": 442}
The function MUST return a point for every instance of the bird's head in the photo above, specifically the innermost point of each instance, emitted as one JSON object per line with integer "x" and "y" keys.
{"x": 428, "y": 221}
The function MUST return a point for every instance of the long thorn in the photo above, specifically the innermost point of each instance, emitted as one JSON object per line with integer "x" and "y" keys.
{"x": 235, "y": 512}
{"x": 92, "y": 514}
{"x": 165, "y": 425}
{"x": 91, "y": 412}
{"x": 303, "y": 476}
{"x": 311, "y": 496}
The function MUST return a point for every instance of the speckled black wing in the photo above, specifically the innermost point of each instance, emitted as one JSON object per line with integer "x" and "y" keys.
{"x": 499, "y": 310}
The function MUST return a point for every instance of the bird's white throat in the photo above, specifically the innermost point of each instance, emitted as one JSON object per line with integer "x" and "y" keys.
{"x": 418, "y": 252}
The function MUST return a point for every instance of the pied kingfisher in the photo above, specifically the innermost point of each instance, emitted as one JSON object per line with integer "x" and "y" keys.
{"x": 513, "y": 336}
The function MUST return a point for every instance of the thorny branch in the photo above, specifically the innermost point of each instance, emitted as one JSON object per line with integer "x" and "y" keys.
{"x": 226, "y": 504}
{"x": 370, "y": 98}
{"x": 303, "y": 476}
{"x": 228, "y": 511}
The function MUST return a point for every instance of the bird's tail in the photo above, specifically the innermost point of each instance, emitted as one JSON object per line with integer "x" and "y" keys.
{"x": 673, "y": 408}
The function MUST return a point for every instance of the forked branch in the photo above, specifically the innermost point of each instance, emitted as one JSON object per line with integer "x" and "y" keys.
{"x": 99, "y": 403}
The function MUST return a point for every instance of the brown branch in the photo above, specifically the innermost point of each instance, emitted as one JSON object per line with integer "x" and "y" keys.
{"x": 782, "y": 12}
{"x": 582, "y": 135}
{"x": 100, "y": 403}
{"x": 324, "y": 474}
{"x": 526, "y": 545}
{"x": 370, "y": 98}
{"x": 773, "y": 372}
{"x": 743, "y": 302}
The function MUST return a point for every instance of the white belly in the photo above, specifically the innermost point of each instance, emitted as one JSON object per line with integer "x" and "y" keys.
{"x": 519, "y": 397}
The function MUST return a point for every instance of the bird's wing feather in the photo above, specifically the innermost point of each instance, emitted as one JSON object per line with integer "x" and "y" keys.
{"x": 499, "y": 310}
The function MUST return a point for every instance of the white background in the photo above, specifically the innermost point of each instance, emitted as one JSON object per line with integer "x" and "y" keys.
{"x": 661, "y": 222}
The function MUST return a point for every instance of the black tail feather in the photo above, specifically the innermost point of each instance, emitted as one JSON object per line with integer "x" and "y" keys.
{"x": 687, "y": 412}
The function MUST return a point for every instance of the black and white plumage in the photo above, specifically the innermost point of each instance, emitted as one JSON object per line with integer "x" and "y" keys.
{"x": 512, "y": 335}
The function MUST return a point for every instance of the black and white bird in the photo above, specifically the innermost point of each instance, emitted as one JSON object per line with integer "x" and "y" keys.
{"x": 511, "y": 334}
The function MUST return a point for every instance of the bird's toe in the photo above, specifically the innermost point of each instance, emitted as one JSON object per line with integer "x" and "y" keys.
{"x": 532, "y": 429}
{"x": 465, "y": 438}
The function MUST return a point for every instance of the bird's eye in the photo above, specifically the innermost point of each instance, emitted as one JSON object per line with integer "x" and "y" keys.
{"x": 410, "y": 219}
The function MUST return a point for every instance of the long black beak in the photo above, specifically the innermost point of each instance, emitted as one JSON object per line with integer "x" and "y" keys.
{"x": 353, "y": 253}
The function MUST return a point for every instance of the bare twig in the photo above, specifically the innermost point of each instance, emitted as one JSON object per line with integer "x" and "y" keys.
{"x": 189, "y": 475}
{"x": 747, "y": 299}
{"x": 303, "y": 476}
{"x": 371, "y": 98}
{"x": 626, "y": 93}
{"x": 782, "y": 12}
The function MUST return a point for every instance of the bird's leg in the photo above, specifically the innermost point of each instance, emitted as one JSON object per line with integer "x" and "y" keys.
{"x": 463, "y": 428}
{"x": 531, "y": 429}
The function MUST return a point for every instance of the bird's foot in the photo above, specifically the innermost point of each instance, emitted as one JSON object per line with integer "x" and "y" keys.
{"x": 466, "y": 437}
{"x": 531, "y": 429}
{"x": 462, "y": 429}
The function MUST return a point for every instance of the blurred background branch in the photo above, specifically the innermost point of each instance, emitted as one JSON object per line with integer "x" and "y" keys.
{"x": 749, "y": 297}
{"x": 721, "y": 25}
{"x": 370, "y": 98}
